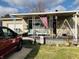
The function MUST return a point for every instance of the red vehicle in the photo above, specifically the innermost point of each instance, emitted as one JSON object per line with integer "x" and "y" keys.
{"x": 9, "y": 41}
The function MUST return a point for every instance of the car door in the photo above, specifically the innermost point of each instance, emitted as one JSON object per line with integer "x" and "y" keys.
{"x": 9, "y": 37}
{"x": 2, "y": 40}
{"x": 3, "y": 43}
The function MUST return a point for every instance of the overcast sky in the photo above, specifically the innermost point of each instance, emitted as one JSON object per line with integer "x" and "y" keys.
{"x": 14, "y": 6}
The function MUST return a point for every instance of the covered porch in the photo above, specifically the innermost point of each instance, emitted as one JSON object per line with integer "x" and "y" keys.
{"x": 60, "y": 25}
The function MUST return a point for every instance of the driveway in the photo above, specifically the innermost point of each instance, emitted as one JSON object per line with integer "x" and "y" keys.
{"x": 27, "y": 47}
{"x": 20, "y": 54}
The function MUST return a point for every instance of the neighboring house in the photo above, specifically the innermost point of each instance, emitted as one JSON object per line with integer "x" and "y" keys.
{"x": 16, "y": 24}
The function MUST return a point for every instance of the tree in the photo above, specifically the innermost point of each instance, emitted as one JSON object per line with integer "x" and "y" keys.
{"x": 40, "y": 6}
{"x": 6, "y": 16}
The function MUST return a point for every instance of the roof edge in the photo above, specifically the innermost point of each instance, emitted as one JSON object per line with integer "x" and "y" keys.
{"x": 42, "y": 13}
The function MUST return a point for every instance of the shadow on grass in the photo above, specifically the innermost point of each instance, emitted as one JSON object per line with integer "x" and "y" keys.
{"x": 34, "y": 51}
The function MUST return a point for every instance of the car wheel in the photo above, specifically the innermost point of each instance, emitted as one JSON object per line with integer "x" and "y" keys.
{"x": 19, "y": 46}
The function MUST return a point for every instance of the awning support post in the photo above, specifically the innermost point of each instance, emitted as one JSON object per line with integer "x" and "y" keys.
{"x": 75, "y": 40}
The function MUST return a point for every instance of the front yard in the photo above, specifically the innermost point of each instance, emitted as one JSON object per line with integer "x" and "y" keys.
{"x": 52, "y": 52}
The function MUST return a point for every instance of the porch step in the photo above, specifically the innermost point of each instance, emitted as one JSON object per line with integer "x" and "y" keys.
{"x": 55, "y": 41}
{"x": 52, "y": 41}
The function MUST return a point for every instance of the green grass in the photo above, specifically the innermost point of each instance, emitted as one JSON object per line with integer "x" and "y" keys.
{"x": 52, "y": 52}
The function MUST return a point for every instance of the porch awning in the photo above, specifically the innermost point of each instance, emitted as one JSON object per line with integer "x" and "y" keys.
{"x": 45, "y": 13}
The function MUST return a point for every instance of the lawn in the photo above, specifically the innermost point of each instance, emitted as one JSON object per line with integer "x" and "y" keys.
{"x": 52, "y": 52}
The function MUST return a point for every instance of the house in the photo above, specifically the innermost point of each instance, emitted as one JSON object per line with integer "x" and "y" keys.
{"x": 17, "y": 26}
{"x": 47, "y": 23}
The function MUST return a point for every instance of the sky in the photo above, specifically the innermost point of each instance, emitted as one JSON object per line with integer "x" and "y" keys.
{"x": 21, "y": 6}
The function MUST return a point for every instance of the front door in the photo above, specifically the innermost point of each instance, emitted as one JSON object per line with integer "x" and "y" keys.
{"x": 54, "y": 25}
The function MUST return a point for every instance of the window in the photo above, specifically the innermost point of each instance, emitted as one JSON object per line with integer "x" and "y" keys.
{"x": 37, "y": 24}
{"x": 7, "y": 33}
